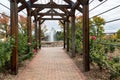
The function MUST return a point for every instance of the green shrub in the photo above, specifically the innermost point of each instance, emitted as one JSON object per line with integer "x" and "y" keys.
{"x": 98, "y": 56}
{"x": 5, "y": 52}
{"x": 23, "y": 48}
{"x": 118, "y": 34}
{"x": 116, "y": 59}
{"x": 114, "y": 70}
{"x": 112, "y": 48}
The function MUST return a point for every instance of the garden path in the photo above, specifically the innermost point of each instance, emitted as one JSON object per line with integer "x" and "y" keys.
{"x": 51, "y": 64}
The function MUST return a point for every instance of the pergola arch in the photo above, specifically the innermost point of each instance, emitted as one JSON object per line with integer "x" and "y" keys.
{"x": 34, "y": 9}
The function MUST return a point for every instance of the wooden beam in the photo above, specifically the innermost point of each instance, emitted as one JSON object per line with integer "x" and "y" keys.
{"x": 39, "y": 34}
{"x": 62, "y": 9}
{"x": 29, "y": 29}
{"x": 61, "y": 22}
{"x": 36, "y": 11}
{"x": 54, "y": 11}
{"x": 54, "y": 14}
{"x": 73, "y": 34}
{"x": 14, "y": 34}
{"x": 64, "y": 35}
{"x": 67, "y": 25}
{"x": 52, "y": 19}
{"x": 75, "y": 5}
{"x": 49, "y": 6}
{"x": 42, "y": 15}
{"x": 42, "y": 21}
{"x": 72, "y": 3}
{"x": 49, "y": 12}
{"x": 25, "y": 4}
{"x": 80, "y": 9}
{"x": 36, "y": 32}
{"x": 32, "y": 1}
{"x": 21, "y": 8}
{"x": 69, "y": 2}
{"x": 39, "y": 17}
{"x": 86, "y": 63}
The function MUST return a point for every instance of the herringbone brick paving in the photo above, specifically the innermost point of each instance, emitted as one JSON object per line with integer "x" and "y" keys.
{"x": 51, "y": 64}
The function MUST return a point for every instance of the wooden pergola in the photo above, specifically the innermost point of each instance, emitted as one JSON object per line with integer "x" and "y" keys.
{"x": 34, "y": 9}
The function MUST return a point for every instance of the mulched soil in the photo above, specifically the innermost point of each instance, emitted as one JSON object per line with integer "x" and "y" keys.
{"x": 6, "y": 74}
{"x": 95, "y": 73}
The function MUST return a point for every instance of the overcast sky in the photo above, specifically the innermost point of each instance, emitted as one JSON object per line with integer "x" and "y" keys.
{"x": 111, "y": 15}
{"x": 114, "y": 14}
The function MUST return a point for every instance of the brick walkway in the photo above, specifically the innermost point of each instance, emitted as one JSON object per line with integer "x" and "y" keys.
{"x": 51, "y": 64}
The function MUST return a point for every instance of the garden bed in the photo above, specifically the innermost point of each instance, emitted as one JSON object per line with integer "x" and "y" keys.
{"x": 6, "y": 74}
{"x": 95, "y": 73}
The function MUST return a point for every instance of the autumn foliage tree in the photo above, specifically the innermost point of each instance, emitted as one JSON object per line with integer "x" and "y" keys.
{"x": 96, "y": 26}
{"x": 4, "y": 27}
{"x": 23, "y": 23}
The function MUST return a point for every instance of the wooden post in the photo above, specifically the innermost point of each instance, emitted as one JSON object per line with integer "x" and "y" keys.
{"x": 67, "y": 35}
{"x": 36, "y": 32}
{"x": 64, "y": 34}
{"x": 86, "y": 35}
{"x": 39, "y": 34}
{"x": 29, "y": 31}
{"x": 14, "y": 34}
{"x": 73, "y": 35}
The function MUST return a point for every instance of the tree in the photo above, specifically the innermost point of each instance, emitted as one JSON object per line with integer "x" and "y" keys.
{"x": 96, "y": 26}
{"x": 96, "y": 29}
{"x": 43, "y": 30}
{"x": 23, "y": 23}
{"x": 4, "y": 27}
{"x": 118, "y": 34}
{"x": 59, "y": 36}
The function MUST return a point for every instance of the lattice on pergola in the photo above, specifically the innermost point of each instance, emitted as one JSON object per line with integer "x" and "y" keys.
{"x": 41, "y": 8}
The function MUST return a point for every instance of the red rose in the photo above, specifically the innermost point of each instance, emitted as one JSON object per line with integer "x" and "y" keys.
{"x": 93, "y": 37}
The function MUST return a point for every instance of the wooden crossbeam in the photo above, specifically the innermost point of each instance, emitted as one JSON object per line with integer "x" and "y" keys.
{"x": 52, "y": 19}
{"x": 61, "y": 22}
{"x": 32, "y": 1}
{"x": 75, "y": 5}
{"x": 49, "y": 6}
{"x": 72, "y": 3}
{"x": 25, "y": 4}
{"x": 42, "y": 21}
{"x": 69, "y": 2}
{"x": 54, "y": 14}
{"x": 48, "y": 12}
{"x": 53, "y": 3}
{"x": 60, "y": 14}
{"x": 21, "y": 8}
{"x": 37, "y": 10}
